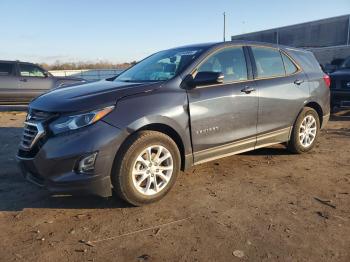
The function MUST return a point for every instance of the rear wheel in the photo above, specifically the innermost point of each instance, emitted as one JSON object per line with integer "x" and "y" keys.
{"x": 305, "y": 131}
{"x": 146, "y": 168}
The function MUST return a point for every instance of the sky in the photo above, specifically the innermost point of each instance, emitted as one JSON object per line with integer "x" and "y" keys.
{"x": 122, "y": 31}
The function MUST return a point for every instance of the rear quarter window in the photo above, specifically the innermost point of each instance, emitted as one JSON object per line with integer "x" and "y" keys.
{"x": 6, "y": 69}
{"x": 307, "y": 61}
{"x": 289, "y": 66}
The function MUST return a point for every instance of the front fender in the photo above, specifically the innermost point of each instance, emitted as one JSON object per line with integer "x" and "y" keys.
{"x": 162, "y": 106}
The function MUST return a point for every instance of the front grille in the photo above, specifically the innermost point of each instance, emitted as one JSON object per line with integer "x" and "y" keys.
{"x": 31, "y": 133}
{"x": 345, "y": 84}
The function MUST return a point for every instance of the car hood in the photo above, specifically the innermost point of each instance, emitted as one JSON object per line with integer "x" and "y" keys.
{"x": 88, "y": 96}
{"x": 341, "y": 73}
{"x": 69, "y": 78}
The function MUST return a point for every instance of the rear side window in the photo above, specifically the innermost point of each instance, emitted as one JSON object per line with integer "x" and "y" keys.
{"x": 6, "y": 69}
{"x": 288, "y": 65}
{"x": 31, "y": 70}
{"x": 229, "y": 61}
{"x": 268, "y": 62}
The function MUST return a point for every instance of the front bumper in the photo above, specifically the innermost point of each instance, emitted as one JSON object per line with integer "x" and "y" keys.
{"x": 54, "y": 166}
{"x": 340, "y": 98}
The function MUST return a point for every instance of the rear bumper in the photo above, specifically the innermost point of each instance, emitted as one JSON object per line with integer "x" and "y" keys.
{"x": 55, "y": 165}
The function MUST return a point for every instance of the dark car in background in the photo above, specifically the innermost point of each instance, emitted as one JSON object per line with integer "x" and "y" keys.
{"x": 20, "y": 82}
{"x": 340, "y": 86}
{"x": 177, "y": 108}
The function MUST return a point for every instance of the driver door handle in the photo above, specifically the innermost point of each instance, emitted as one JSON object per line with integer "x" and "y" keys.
{"x": 248, "y": 90}
{"x": 23, "y": 80}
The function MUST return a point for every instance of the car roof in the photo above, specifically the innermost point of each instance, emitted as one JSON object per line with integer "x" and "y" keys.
{"x": 238, "y": 42}
{"x": 14, "y": 61}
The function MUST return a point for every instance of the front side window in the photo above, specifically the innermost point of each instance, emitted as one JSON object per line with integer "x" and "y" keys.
{"x": 31, "y": 70}
{"x": 268, "y": 62}
{"x": 161, "y": 66}
{"x": 6, "y": 69}
{"x": 230, "y": 62}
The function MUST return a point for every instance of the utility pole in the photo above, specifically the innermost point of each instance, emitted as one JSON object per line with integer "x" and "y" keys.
{"x": 224, "y": 26}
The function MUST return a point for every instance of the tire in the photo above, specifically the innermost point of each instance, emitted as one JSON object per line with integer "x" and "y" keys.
{"x": 140, "y": 181}
{"x": 298, "y": 142}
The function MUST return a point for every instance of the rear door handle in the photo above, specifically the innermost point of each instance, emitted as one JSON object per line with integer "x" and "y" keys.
{"x": 248, "y": 90}
{"x": 23, "y": 80}
{"x": 298, "y": 82}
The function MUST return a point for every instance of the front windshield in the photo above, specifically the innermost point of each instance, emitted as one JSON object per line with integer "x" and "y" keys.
{"x": 346, "y": 63}
{"x": 161, "y": 66}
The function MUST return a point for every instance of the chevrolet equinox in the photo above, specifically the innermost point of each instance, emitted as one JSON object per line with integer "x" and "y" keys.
{"x": 133, "y": 133}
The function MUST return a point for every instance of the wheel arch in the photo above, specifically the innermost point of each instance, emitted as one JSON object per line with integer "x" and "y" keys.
{"x": 169, "y": 131}
{"x": 316, "y": 106}
{"x": 162, "y": 128}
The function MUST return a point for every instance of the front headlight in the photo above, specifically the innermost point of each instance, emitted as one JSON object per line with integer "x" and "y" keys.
{"x": 67, "y": 123}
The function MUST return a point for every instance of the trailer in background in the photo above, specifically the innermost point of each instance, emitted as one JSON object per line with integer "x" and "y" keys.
{"x": 328, "y": 39}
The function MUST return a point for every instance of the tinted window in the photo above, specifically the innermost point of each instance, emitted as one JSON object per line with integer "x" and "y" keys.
{"x": 161, "y": 66}
{"x": 268, "y": 62}
{"x": 31, "y": 70}
{"x": 230, "y": 62}
{"x": 289, "y": 65}
{"x": 6, "y": 69}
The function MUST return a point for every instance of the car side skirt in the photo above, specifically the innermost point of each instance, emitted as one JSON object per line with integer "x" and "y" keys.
{"x": 248, "y": 144}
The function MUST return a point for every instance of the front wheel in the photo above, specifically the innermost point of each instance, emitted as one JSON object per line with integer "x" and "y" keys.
{"x": 146, "y": 168}
{"x": 305, "y": 131}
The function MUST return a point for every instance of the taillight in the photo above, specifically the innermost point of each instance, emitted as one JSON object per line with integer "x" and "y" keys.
{"x": 327, "y": 80}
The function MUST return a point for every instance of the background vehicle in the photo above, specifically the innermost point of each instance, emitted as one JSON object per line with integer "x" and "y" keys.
{"x": 340, "y": 85}
{"x": 175, "y": 109}
{"x": 20, "y": 82}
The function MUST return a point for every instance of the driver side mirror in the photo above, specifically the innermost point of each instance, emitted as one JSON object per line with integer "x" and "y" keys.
{"x": 46, "y": 74}
{"x": 204, "y": 78}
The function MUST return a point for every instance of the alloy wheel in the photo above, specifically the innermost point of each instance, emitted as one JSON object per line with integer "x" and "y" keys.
{"x": 152, "y": 170}
{"x": 307, "y": 131}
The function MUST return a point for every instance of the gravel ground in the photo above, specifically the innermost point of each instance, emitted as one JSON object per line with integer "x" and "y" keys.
{"x": 262, "y": 205}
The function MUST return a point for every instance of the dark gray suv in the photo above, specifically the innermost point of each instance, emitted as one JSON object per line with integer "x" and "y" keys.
{"x": 177, "y": 108}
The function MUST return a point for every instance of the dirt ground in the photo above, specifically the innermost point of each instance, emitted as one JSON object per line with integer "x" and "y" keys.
{"x": 258, "y": 206}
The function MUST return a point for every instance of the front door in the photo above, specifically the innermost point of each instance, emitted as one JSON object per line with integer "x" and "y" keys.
{"x": 223, "y": 116}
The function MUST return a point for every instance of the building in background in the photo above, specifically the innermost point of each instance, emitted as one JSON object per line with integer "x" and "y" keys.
{"x": 328, "y": 39}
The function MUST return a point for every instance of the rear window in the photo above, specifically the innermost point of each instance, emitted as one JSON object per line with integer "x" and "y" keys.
{"x": 268, "y": 62}
{"x": 6, "y": 69}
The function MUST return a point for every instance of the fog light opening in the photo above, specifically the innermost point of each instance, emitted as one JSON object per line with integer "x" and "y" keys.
{"x": 87, "y": 163}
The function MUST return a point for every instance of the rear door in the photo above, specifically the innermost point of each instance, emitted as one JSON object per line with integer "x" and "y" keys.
{"x": 223, "y": 116}
{"x": 9, "y": 83}
{"x": 33, "y": 81}
{"x": 283, "y": 89}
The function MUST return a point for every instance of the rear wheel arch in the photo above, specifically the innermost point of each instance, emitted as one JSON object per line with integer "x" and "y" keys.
{"x": 317, "y": 108}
